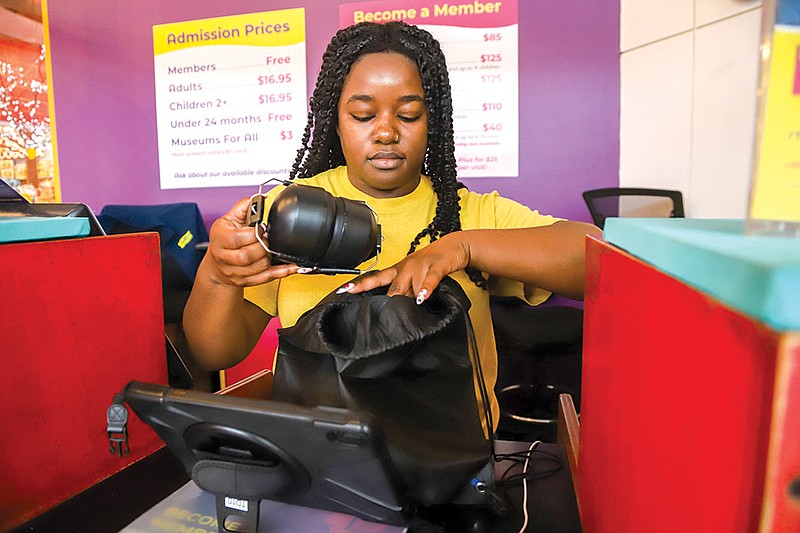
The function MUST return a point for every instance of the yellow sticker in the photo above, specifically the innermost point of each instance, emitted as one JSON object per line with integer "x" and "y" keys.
{"x": 185, "y": 239}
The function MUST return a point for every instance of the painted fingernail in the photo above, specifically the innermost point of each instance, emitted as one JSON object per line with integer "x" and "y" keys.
{"x": 421, "y": 296}
{"x": 344, "y": 288}
{"x": 304, "y": 270}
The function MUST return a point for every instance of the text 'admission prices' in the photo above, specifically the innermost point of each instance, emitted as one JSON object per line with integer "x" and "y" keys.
{"x": 230, "y": 98}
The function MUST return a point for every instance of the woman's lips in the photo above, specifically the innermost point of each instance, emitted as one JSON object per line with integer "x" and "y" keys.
{"x": 386, "y": 160}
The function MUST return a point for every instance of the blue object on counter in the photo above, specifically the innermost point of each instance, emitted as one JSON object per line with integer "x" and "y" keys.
{"x": 756, "y": 275}
{"x": 22, "y": 229}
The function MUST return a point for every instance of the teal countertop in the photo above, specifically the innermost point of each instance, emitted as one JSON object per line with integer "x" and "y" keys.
{"x": 21, "y": 229}
{"x": 756, "y": 275}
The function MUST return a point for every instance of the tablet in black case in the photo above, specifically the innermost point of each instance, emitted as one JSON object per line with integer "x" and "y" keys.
{"x": 245, "y": 450}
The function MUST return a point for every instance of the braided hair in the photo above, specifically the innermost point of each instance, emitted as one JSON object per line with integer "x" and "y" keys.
{"x": 321, "y": 148}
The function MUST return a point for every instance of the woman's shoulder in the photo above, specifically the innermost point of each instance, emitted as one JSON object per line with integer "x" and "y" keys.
{"x": 482, "y": 210}
{"x": 323, "y": 179}
{"x": 471, "y": 199}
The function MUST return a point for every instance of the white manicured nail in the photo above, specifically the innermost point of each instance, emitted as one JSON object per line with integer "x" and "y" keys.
{"x": 344, "y": 288}
{"x": 421, "y": 296}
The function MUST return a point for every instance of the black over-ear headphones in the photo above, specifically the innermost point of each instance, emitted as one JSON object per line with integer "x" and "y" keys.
{"x": 310, "y": 227}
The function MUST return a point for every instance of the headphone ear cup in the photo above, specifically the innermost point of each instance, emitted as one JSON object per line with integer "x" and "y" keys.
{"x": 355, "y": 237}
{"x": 362, "y": 236}
{"x": 300, "y": 222}
{"x": 337, "y": 254}
{"x": 312, "y": 227}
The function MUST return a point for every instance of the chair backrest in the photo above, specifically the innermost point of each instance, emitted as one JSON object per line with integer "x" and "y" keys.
{"x": 181, "y": 229}
{"x": 633, "y": 202}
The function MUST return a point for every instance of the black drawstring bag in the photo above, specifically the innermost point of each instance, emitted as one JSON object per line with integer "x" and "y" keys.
{"x": 409, "y": 366}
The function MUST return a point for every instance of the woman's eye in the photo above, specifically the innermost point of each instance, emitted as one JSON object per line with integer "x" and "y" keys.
{"x": 360, "y": 118}
{"x": 409, "y": 118}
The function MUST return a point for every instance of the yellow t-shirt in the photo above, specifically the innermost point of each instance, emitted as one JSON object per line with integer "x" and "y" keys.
{"x": 401, "y": 219}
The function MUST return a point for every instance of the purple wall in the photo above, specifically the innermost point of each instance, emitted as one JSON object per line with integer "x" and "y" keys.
{"x": 103, "y": 85}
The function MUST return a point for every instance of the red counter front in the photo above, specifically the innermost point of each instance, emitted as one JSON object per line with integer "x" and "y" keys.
{"x": 690, "y": 410}
{"x": 80, "y": 319}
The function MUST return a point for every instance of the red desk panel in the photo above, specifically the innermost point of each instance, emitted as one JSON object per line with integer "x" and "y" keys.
{"x": 690, "y": 411}
{"x": 80, "y": 318}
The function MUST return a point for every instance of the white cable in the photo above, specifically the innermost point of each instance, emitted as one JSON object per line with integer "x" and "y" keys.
{"x": 262, "y": 226}
{"x": 525, "y": 486}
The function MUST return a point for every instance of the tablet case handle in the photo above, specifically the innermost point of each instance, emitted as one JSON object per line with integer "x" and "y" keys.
{"x": 233, "y": 514}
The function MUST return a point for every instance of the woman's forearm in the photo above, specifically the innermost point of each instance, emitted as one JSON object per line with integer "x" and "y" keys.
{"x": 221, "y": 327}
{"x": 551, "y": 257}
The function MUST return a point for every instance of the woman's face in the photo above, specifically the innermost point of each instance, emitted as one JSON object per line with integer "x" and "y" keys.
{"x": 383, "y": 125}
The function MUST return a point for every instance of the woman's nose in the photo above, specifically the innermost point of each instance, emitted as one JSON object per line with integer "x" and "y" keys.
{"x": 386, "y": 134}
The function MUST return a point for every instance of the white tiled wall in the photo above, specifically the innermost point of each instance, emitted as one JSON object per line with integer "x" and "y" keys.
{"x": 689, "y": 72}
{"x": 647, "y": 21}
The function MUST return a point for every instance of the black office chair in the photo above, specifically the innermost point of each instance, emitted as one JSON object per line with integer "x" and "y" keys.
{"x": 539, "y": 357}
{"x": 633, "y": 202}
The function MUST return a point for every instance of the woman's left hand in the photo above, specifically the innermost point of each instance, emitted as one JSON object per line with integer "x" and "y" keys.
{"x": 549, "y": 257}
{"x": 418, "y": 274}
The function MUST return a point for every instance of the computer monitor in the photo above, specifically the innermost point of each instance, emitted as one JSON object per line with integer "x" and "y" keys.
{"x": 244, "y": 450}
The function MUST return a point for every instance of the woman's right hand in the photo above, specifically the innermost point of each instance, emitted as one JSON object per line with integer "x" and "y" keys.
{"x": 235, "y": 257}
{"x": 220, "y": 325}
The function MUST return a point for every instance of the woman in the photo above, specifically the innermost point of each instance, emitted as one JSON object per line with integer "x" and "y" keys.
{"x": 380, "y": 130}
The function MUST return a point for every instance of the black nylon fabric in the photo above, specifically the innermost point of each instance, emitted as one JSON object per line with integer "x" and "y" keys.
{"x": 409, "y": 366}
